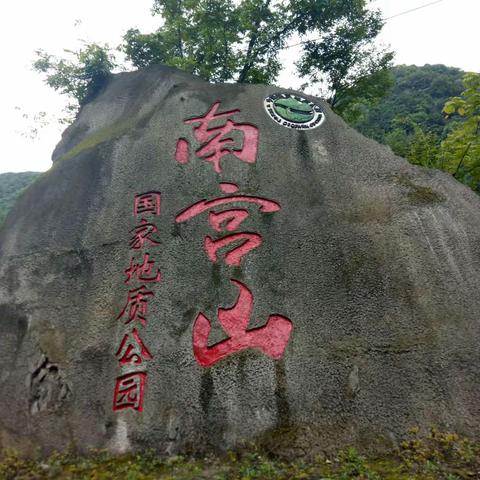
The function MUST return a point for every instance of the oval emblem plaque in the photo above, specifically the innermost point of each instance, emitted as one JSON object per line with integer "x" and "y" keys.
{"x": 294, "y": 111}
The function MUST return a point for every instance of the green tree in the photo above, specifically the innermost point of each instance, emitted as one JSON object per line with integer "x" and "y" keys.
{"x": 417, "y": 97}
{"x": 450, "y": 143}
{"x": 224, "y": 40}
{"x": 424, "y": 148}
{"x": 414, "y": 142}
{"x": 364, "y": 92}
{"x": 81, "y": 76}
{"x": 460, "y": 151}
{"x": 346, "y": 59}
{"x": 241, "y": 40}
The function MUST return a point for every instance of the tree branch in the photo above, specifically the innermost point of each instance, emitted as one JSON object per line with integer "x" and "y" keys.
{"x": 248, "y": 63}
{"x": 253, "y": 54}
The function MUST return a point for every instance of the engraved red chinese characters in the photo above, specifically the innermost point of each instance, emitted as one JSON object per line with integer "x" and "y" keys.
{"x": 272, "y": 338}
{"x": 229, "y": 220}
{"x": 142, "y": 271}
{"x": 132, "y": 350}
{"x": 129, "y": 391}
{"x": 143, "y": 233}
{"x": 137, "y": 306}
{"x": 218, "y": 141}
{"x": 148, "y": 202}
{"x": 249, "y": 241}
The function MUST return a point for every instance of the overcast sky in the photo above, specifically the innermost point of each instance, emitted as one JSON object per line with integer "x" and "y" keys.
{"x": 445, "y": 32}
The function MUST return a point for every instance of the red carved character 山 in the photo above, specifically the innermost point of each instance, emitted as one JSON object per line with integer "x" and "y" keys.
{"x": 129, "y": 391}
{"x": 217, "y": 141}
{"x": 272, "y": 338}
{"x": 229, "y": 220}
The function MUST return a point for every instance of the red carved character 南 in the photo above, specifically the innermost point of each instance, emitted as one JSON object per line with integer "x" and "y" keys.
{"x": 217, "y": 141}
{"x": 272, "y": 338}
{"x": 129, "y": 391}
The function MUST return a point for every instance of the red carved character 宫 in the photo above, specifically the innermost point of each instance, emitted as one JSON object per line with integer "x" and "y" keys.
{"x": 229, "y": 220}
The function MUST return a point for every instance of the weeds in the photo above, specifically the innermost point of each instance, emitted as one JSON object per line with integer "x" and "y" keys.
{"x": 436, "y": 456}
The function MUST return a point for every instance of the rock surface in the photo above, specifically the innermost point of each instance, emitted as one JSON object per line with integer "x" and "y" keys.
{"x": 372, "y": 263}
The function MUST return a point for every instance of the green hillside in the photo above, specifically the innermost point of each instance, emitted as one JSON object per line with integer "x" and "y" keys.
{"x": 431, "y": 117}
{"x": 11, "y": 186}
{"x": 417, "y": 97}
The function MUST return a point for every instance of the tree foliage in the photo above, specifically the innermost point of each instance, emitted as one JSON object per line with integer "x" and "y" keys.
{"x": 241, "y": 40}
{"x": 346, "y": 58}
{"x": 417, "y": 98}
{"x": 429, "y": 120}
{"x": 460, "y": 151}
{"x": 225, "y": 40}
{"x": 413, "y": 142}
{"x": 82, "y": 75}
{"x": 365, "y": 92}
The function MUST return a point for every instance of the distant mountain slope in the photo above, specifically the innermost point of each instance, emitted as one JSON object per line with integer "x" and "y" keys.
{"x": 11, "y": 186}
{"x": 418, "y": 95}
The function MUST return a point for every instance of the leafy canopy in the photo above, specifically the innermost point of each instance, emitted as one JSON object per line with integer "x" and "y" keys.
{"x": 79, "y": 77}
{"x": 417, "y": 98}
{"x": 241, "y": 40}
{"x": 429, "y": 120}
{"x": 461, "y": 148}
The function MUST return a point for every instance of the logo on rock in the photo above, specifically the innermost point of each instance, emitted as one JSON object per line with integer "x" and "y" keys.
{"x": 293, "y": 111}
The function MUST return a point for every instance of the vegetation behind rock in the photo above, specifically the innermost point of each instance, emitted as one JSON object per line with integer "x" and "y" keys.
{"x": 11, "y": 186}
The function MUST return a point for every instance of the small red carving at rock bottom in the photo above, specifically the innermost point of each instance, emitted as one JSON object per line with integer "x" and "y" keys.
{"x": 272, "y": 338}
{"x": 129, "y": 391}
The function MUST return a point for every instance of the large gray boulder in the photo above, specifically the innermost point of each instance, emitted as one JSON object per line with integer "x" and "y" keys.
{"x": 345, "y": 311}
